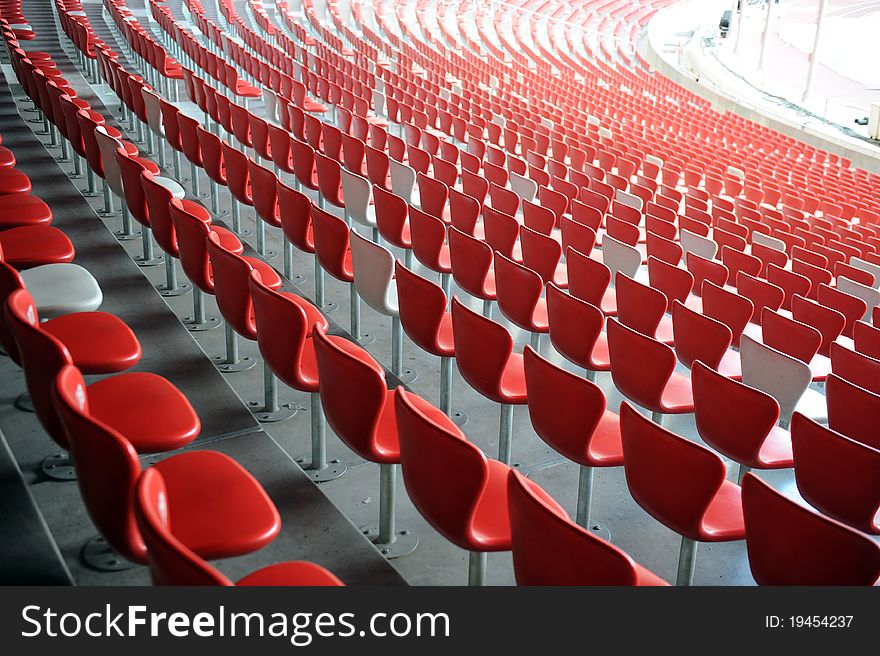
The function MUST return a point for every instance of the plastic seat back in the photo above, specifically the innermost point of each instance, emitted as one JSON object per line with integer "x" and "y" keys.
{"x": 212, "y": 155}
{"x": 112, "y": 173}
{"x": 373, "y": 269}
{"x": 357, "y": 192}
{"x": 352, "y": 387}
{"x": 189, "y": 138}
{"x": 403, "y": 179}
{"x": 264, "y": 193}
{"x": 621, "y": 257}
{"x": 851, "y": 307}
{"x": 430, "y": 447}
{"x": 471, "y": 260}
{"x": 731, "y": 417}
{"x": 295, "y": 216}
{"x": 303, "y": 157}
{"x": 482, "y": 350}
{"x": 817, "y": 275}
{"x": 869, "y": 295}
{"x": 564, "y": 408}
{"x": 735, "y": 260}
{"x": 191, "y": 226}
{"x": 789, "y": 336}
{"x": 238, "y": 177}
{"x": 694, "y": 243}
{"x": 761, "y": 293}
{"x": 378, "y": 165}
{"x": 781, "y": 376}
{"x": 549, "y": 549}
{"x": 422, "y": 306}
{"x": 777, "y": 529}
{"x": 130, "y": 170}
{"x": 729, "y": 308}
{"x": 836, "y": 475}
{"x": 260, "y": 135}
{"x": 107, "y": 466}
{"x": 433, "y": 195}
{"x": 158, "y": 199}
{"x": 332, "y": 246}
{"x": 428, "y": 235}
{"x": 792, "y": 284}
{"x": 42, "y": 357}
{"x": 519, "y": 292}
{"x": 698, "y": 337}
{"x": 830, "y": 323}
{"x": 640, "y": 365}
{"x": 391, "y": 217}
{"x": 540, "y": 219}
{"x": 576, "y": 235}
{"x": 232, "y": 288}
{"x": 279, "y": 145}
{"x": 502, "y": 230}
{"x": 852, "y": 410}
{"x": 856, "y": 367}
{"x": 353, "y": 153}
{"x": 464, "y": 211}
{"x": 524, "y": 187}
{"x": 540, "y": 253}
{"x": 575, "y": 326}
{"x": 10, "y": 281}
{"x": 282, "y": 327}
{"x": 588, "y": 279}
{"x": 638, "y": 306}
{"x": 705, "y": 270}
{"x": 87, "y": 127}
{"x": 653, "y": 457}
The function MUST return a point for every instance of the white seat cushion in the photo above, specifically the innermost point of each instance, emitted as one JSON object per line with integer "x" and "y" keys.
{"x": 61, "y": 289}
{"x": 171, "y": 185}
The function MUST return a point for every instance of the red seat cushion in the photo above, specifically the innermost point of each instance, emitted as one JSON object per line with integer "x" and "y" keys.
{"x": 221, "y": 510}
{"x": 246, "y": 90}
{"x": 7, "y": 158}
{"x": 23, "y": 209}
{"x": 228, "y": 240}
{"x": 152, "y": 167}
{"x": 723, "y": 519}
{"x": 99, "y": 342}
{"x": 13, "y": 181}
{"x": 491, "y": 522}
{"x": 776, "y": 451}
{"x": 38, "y": 55}
{"x": 147, "y": 409}
{"x": 268, "y": 275}
{"x": 513, "y": 381}
{"x": 30, "y": 246}
{"x": 678, "y": 396}
{"x": 648, "y": 578}
{"x": 378, "y": 121}
{"x": 609, "y": 302}
{"x": 313, "y": 107}
{"x": 445, "y": 342}
{"x": 606, "y": 449}
{"x": 291, "y": 573}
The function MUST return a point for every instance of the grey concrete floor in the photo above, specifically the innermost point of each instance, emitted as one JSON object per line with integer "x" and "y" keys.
{"x": 355, "y": 495}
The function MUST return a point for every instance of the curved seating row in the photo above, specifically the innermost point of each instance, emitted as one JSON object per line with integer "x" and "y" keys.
{"x": 628, "y": 330}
